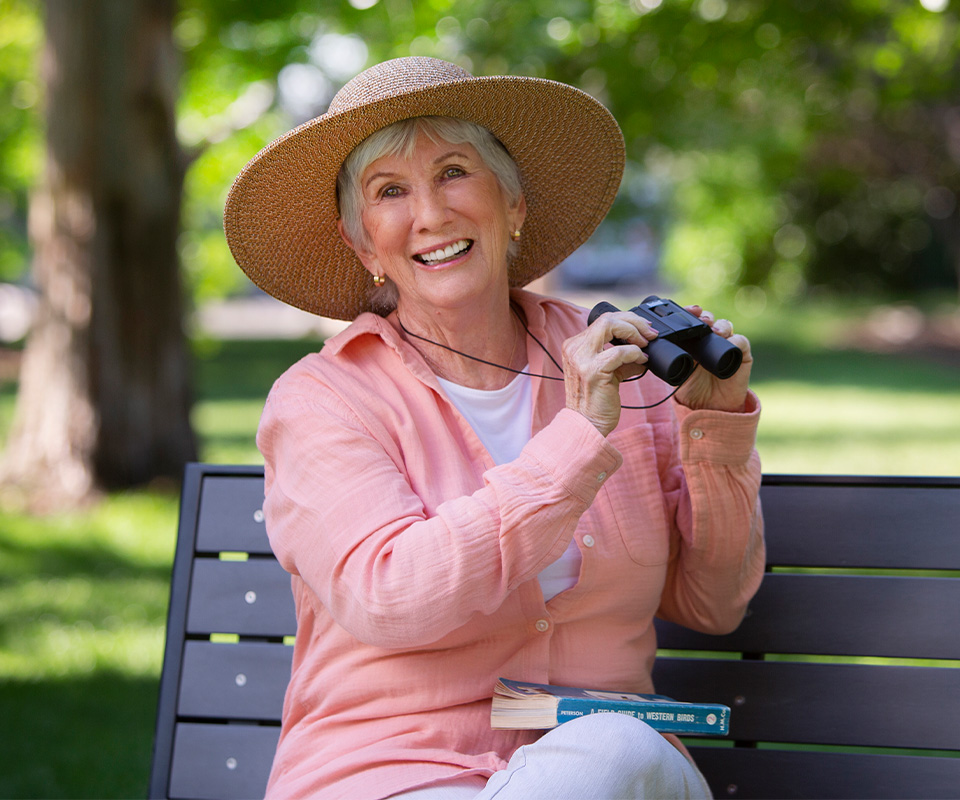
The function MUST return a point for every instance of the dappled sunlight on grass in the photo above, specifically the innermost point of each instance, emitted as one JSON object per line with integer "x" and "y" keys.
{"x": 86, "y": 592}
{"x": 83, "y": 601}
{"x": 830, "y": 408}
{"x": 846, "y": 430}
{"x": 228, "y": 430}
{"x": 43, "y": 646}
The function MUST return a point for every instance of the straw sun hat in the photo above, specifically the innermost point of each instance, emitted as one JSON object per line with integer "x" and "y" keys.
{"x": 281, "y": 212}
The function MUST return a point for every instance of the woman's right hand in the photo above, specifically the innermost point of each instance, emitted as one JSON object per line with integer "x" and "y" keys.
{"x": 593, "y": 373}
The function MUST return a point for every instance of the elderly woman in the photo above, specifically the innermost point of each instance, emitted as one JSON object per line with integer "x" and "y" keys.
{"x": 461, "y": 484}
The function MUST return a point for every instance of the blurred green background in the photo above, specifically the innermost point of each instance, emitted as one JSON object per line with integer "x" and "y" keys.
{"x": 792, "y": 165}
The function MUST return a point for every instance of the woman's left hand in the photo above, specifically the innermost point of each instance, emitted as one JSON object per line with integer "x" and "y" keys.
{"x": 704, "y": 390}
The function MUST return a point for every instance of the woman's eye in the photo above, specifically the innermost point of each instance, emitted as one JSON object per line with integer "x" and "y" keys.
{"x": 453, "y": 172}
{"x": 390, "y": 191}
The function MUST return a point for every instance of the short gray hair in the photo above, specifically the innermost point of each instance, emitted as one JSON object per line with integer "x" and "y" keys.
{"x": 400, "y": 138}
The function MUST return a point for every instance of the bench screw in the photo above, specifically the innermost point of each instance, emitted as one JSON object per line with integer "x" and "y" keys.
{"x": 241, "y": 679}
{"x": 250, "y": 597}
{"x": 739, "y": 700}
{"x": 732, "y": 788}
{"x": 258, "y": 515}
{"x": 231, "y": 763}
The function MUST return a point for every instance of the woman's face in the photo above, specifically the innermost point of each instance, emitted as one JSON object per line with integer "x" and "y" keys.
{"x": 438, "y": 225}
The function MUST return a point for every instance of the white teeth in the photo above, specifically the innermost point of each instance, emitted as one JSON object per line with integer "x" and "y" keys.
{"x": 447, "y": 252}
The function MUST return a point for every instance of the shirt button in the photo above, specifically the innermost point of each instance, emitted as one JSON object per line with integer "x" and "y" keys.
{"x": 696, "y": 433}
{"x": 542, "y": 625}
{"x": 601, "y": 477}
{"x": 588, "y": 541}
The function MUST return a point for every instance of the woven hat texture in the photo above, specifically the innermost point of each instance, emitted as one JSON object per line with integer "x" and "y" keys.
{"x": 280, "y": 215}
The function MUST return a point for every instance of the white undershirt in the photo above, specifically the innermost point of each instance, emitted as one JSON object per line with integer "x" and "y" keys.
{"x": 502, "y": 419}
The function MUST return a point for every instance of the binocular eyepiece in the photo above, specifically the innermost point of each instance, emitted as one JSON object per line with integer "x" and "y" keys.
{"x": 682, "y": 341}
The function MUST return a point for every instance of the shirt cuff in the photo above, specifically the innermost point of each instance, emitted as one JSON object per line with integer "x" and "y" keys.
{"x": 574, "y": 451}
{"x": 722, "y": 437}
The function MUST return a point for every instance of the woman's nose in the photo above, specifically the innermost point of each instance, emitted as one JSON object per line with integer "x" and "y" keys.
{"x": 430, "y": 209}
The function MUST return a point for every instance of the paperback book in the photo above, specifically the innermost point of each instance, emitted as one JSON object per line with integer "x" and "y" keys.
{"x": 519, "y": 705}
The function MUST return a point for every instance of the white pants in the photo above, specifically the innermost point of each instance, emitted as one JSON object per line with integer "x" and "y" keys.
{"x": 597, "y": 757}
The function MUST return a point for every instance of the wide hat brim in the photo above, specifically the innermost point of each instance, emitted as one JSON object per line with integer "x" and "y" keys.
{"x": 280, "y": 215}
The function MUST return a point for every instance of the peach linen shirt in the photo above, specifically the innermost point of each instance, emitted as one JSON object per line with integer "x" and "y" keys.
{"x": 415, "y": 559}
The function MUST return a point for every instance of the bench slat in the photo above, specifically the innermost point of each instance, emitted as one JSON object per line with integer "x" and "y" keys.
{"x": 838, "y": 704}
{"x": 750, "y": 774}
{"x": 231, "y": 516}
{"x": 251, "y": 598}
{"x": 913, "y": 527}
{"x": 221, "y": 762}
{"x": 234, "y": 681}
{"x": 907, "y": 618}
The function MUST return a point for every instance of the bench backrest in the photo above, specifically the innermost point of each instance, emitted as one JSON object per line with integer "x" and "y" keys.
{"x": 844, "y": 679}
{"x": 227, "y": 659}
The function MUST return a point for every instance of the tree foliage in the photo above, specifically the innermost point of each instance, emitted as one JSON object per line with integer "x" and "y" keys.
{"x": 771, "y": 144}
{"x": 21, "y": 36}
{"x": 776, "y": 145}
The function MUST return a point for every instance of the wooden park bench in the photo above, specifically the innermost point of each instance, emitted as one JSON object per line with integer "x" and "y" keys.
{"x": 844, "y": 678}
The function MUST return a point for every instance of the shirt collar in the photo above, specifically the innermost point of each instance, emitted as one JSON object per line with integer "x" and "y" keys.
{"x": 388, "y": 329}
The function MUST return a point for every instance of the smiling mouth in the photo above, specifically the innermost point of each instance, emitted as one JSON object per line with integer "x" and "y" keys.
{"x": 435, "y": 257}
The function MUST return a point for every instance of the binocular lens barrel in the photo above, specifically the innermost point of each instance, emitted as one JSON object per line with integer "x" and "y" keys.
{"x": 669, "y": 362}
{"x": 717, "y": 355}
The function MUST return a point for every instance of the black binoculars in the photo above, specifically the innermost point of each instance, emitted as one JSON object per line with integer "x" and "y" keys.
{"x": 682, "y": 341}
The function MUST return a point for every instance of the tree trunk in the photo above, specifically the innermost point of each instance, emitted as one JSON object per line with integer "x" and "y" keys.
{"x": 104, "y": 395}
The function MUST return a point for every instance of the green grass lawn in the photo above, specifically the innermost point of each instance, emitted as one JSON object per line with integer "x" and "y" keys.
{"x": 83, "y": 596}
{"x": 847, "y": 412}
{"x": 83, "y": 601}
